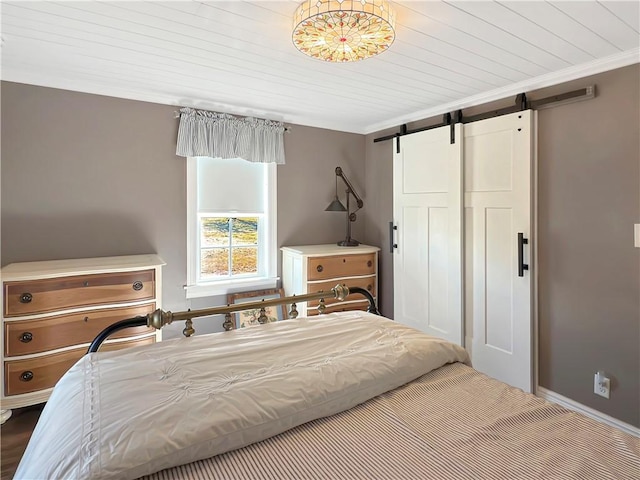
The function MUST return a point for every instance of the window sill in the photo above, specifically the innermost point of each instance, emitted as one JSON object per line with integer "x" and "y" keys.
{"x": 230, "y": 286}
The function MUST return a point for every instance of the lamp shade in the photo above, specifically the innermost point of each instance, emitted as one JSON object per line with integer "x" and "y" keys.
{"x": 335, "y": 206}
{"x": 343, "y": 30}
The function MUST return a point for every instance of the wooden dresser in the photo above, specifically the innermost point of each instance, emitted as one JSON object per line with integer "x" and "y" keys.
{"x": 312, "y": 268}
{"x": 52, "y": 310}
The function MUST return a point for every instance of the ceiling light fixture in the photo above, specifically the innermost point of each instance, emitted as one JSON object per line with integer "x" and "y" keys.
{"x": 343, "y": 30}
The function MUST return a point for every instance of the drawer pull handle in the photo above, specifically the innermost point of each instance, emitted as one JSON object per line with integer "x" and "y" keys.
{"x": 369, "y": 263}
{"x": 369, "y": 287}
{"x": 26, "y": 376}
{"x": 26, "y": 298}
{"x": 86, "y": 284}
{"x": 86, "y": 319}
{"x": 26, "y": 337}
{"x": 137, "y": 285}
{"x": 319, "y": 268}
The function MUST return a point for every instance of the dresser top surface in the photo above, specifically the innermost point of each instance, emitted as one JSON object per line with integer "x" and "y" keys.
{"x": 52, "y": 268}
{"x": 329, "y": 249}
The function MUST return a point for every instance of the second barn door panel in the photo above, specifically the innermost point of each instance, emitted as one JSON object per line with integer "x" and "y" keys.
{"x": 497, "y": 201}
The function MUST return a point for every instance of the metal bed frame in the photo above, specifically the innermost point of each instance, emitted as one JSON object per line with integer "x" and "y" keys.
{"x": 161, "y": 318}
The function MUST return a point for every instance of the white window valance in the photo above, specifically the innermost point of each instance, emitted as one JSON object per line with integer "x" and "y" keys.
{"x": 220, "y": 135}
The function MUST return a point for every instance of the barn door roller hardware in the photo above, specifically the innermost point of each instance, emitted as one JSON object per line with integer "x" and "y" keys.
{"x": 521, "y": 103}
{"x": 446, "y": 120}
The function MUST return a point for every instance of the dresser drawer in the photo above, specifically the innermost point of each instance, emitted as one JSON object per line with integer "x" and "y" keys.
{"x": 340, "y": 307}
{"x": 24, "y": 337}
{"x": 324, "y": 268}
{"x": 51, "y": 294}
{"x": 368, "y": 283}
{"x": 24, "y": 376}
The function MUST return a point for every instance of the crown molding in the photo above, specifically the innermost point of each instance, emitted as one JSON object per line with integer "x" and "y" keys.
{"x": 623, "y": 59}
{"x": 43, "y": 79}
{"x": 94, "y": 87}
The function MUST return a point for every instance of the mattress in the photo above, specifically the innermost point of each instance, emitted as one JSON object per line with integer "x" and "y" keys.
{"x": 133, "y": 412}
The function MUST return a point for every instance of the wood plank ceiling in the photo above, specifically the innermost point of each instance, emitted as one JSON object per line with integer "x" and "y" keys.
{"x": 238, "y": 56}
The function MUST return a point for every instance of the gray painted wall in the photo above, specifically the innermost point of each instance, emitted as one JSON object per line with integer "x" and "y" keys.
{"x": 89, "y": 176}
{"x": 589, "y": 199}
{"x": 589, "y": 270}
{"x": 85, "y": 175}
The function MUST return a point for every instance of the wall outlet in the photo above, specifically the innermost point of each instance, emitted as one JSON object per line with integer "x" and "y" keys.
{"x": 601, "y": 385}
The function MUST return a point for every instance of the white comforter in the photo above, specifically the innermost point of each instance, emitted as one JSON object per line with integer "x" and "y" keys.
{"x": 133, "y": 412}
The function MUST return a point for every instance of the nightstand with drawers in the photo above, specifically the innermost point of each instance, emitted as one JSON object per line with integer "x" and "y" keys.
{"x": 312, "y": 268}
{"x": 52, "y": 310}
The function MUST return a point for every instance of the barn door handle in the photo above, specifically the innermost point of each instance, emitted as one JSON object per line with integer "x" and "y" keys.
{"x": 521, "y": 265}
{"x": 392, "y": 245}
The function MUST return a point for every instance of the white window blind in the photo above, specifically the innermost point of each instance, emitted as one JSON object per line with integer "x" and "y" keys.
{"x": 230, "y": 185}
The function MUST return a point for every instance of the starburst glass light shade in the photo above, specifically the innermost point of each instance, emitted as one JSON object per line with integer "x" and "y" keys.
{"x": 343, "y": 30}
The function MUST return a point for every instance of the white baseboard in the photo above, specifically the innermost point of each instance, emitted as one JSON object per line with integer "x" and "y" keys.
{"x": 4, "y": 416}
{"x": 588, "y": 411}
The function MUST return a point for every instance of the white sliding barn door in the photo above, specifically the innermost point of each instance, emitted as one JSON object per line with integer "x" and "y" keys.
{"x": 463, "y": 205}
{"x": 427, "y": 209}
{"x": 497, "y": 200}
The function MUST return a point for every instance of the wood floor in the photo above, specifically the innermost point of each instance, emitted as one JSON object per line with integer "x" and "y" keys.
{"x": 14, "y": 436}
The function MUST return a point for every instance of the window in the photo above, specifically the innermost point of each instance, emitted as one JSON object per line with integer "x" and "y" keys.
{"x": 228, "y": 246}
{"x": 231, "y": 226}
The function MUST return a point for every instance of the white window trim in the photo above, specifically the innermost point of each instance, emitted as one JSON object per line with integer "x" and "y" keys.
{"x": 194, "y": 289}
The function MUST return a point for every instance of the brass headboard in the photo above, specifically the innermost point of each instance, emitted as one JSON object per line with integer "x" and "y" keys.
{"x": 160, "y": 318}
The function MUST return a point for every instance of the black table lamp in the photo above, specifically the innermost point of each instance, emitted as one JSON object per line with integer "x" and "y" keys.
{"x": 337, "y": 206}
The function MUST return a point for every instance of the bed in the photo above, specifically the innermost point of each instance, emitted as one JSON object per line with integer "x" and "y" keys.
{"x": 349, "y": 395}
